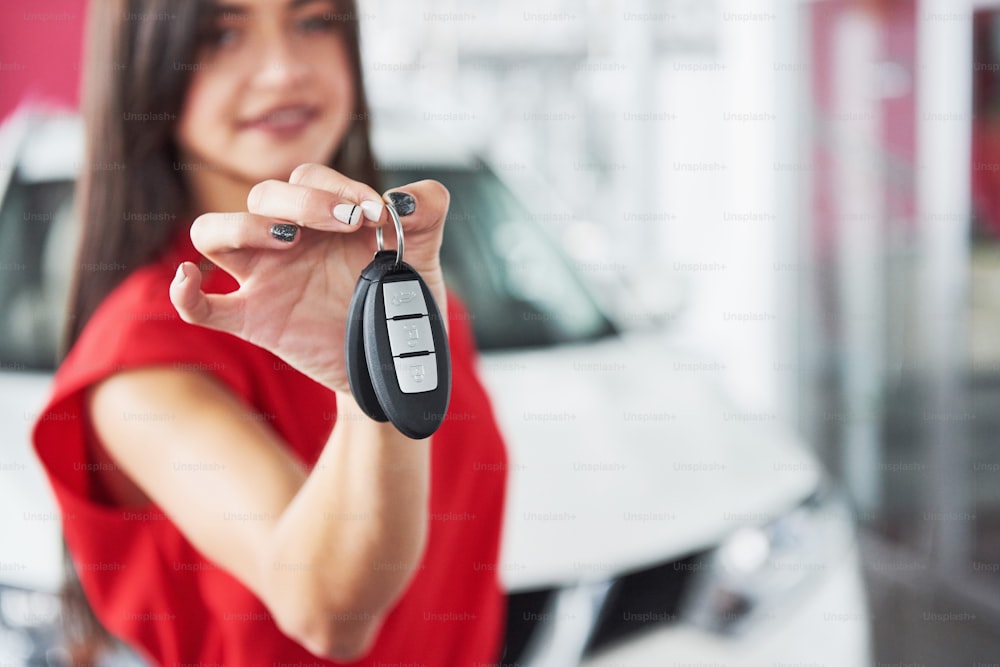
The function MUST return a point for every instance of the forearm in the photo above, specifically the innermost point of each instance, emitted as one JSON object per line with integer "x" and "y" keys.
{"x": 353, "y": 535}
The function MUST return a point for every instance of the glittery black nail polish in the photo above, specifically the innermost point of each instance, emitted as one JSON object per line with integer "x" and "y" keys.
{"x": 405, "y": 203}
{"x": 284, "y": 231}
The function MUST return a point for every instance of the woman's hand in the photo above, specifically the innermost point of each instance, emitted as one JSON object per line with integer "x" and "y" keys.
{"x": 293, "y": 295}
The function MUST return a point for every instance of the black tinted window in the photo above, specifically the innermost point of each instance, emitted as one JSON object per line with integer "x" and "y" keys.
{"x": 517, "y": 284}
{"x": 519, "y": 288}
{"x": 34, "y": 270}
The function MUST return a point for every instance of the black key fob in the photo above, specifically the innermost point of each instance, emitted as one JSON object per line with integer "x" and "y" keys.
{"x": 354, "y": 338}
{"x": 396, "y": 346}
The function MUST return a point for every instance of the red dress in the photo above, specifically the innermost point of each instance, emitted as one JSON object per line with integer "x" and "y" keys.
{"x": 148, "y": 584}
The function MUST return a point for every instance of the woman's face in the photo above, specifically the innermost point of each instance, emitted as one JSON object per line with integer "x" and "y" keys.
{"x": 271, "y": 88}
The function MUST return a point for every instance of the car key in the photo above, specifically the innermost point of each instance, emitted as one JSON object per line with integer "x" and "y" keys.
{"x": 400, "y": 369}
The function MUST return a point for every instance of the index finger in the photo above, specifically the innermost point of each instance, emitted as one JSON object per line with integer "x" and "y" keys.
{"x": 329, "y": 180}
{"x": 330, "y": 210}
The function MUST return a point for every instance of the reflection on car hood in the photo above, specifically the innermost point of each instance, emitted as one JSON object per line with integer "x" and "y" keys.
{"x": 624, "y": 453}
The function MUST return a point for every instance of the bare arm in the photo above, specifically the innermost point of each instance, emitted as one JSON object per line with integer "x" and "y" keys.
{"x": 327, "y": 552}
{"x": 359, "y": 525}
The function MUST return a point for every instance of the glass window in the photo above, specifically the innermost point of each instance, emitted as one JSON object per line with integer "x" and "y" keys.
{"x": 518, "y": 286}
{"x": 35, "y": 262}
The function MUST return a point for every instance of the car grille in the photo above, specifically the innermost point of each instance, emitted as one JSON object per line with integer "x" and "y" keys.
{"x": 636, "y": 600}
{"x": 646, "y": 597}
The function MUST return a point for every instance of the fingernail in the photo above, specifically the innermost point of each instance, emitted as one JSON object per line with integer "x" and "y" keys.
{"x": 372, "y": 209}
{"x": 349, "y": 214}
{"x": 405, "y": 203}
{"x": 284, "y": 231}
{"x": 180, "y": 276}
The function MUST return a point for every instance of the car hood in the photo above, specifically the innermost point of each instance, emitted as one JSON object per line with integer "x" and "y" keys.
{"x": 624, "y": 453}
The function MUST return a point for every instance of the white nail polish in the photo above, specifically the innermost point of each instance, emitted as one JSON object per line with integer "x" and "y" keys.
{"x": 372, "y": 209}
{"x": 349, "y": 214}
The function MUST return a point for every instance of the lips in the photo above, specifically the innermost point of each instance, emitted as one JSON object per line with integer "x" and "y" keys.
{"x": 283, "y": 120}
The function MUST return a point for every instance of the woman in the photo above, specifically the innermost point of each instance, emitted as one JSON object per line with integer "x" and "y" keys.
{"x": 224, "y": 499}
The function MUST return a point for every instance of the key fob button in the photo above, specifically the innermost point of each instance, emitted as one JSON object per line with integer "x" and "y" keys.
{"x": 410, "y": 335}
{"x": 403, "y": 298}
{"x": 417, "y": 374}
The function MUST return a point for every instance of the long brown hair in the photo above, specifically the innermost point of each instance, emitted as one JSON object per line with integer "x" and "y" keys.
{"x": 132, "y": 197}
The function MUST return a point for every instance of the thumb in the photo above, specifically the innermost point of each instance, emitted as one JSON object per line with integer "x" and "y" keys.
{"x": 215, "y": 311}
{"x": 422, "y": 208}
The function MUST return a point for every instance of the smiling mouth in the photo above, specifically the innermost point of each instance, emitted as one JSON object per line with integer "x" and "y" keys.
{"x": 283, "y": 120}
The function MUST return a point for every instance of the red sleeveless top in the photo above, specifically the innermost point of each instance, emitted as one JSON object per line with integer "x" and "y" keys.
{"x": 151, "y": 588}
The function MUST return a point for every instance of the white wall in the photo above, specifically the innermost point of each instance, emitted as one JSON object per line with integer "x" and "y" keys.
{"x": 667, "y": 137}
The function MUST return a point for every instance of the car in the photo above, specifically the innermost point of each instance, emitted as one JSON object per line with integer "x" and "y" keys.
{"x": 649, "y": 520}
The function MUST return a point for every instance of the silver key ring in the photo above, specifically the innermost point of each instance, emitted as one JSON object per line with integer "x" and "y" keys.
{"x": 399, "y": 233}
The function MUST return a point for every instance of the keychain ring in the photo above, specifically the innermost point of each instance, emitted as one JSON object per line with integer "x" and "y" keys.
{"x": 399, "y": 233}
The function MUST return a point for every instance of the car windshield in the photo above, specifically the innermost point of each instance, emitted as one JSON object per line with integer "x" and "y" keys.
{"x": 519, "y": 288}
{"x": 35, "y": 268}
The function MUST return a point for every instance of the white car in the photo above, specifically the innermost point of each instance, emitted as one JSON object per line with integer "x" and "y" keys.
{"x": 649, "y": 521}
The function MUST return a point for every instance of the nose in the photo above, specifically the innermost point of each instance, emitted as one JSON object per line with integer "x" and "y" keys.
{"x": 280, "y": 65}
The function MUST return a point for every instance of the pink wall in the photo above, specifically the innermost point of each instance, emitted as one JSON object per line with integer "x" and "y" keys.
{"x": 40, "y": 49}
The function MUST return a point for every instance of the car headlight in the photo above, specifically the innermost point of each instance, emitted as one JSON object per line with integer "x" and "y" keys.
{"x": 758, "y": 568}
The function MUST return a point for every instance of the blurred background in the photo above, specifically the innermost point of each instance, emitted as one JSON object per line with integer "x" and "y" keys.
{"x": 803, "y": 195}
